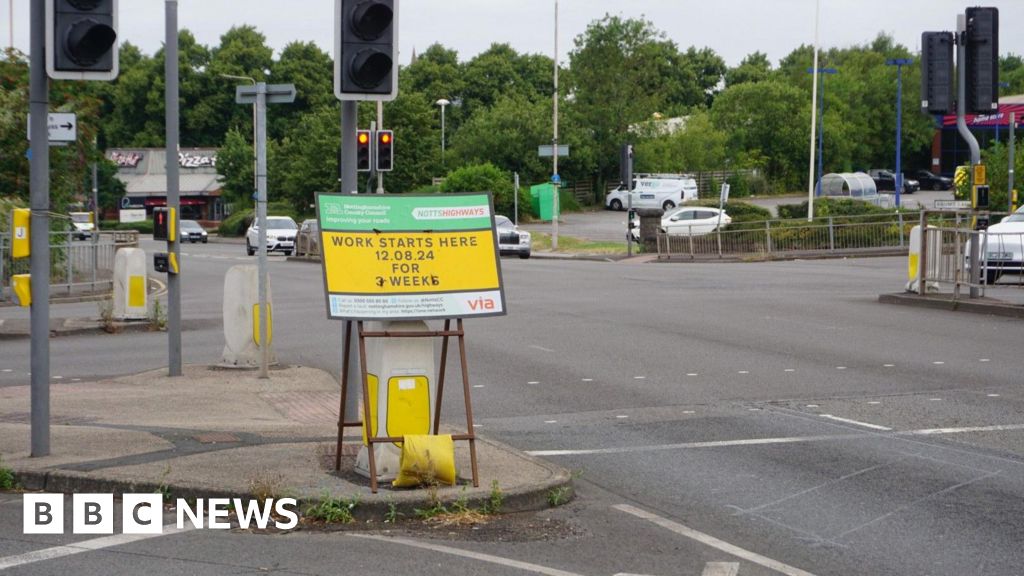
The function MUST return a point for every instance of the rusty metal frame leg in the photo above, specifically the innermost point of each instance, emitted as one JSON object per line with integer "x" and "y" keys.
{"x": 440, "y": 377}
{"x": 344, "y": 392}
{"x": 371, "y": 435}
{"x": 470, "y": 431}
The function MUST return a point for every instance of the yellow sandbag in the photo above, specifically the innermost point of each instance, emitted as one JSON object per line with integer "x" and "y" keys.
{"x": 426, "y": 459}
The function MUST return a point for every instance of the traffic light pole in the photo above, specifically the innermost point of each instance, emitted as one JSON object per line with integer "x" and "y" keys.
{"x": 349, "y": 181}
{"x": 173, "y": 190}
{"x": 39, "y": 186}
{"x": 965, "y": 133}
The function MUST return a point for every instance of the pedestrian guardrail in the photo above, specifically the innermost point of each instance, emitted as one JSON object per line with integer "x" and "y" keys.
{"x": 945, "y": 256}
{"x": 77, "y": 265}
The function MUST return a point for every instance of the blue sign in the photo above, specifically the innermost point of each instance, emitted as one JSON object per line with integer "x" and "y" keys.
{"x": 555, "y": 179}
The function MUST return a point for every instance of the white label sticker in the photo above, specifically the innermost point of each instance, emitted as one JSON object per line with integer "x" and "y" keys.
{"x": 407, "y": 384}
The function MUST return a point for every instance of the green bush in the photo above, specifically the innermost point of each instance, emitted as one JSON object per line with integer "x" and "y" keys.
{"x": 738, "y": 186}
{"x": 236, "y": 223}
{"x": 824, "y": 207}
{"x": 484, "y": 178}
{"x": 740, "y": 211}
{"x": 143, "y": 227}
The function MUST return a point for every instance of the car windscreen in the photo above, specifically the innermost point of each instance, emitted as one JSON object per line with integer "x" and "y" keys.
{"x": 1016, "y": 217}
{"x": 190, "y": 225}
{"x": 281, "y": 224}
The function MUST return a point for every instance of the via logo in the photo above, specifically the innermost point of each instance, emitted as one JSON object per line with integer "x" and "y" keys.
{"x": 482, "y": 303}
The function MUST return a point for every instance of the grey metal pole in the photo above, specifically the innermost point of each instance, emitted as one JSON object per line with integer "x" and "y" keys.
{"x": 173, "y": 183}
{"x": 380, "y": 126}
{"x": 965, "y": 133}
{"x": 39, "y": 185}
{"x": 554, "y": 146}
{"x": 349, "y": 119}
{"x": 1013, "y": 162}
{"x": 95, "y": 223}
{"x": 261, "y": 215}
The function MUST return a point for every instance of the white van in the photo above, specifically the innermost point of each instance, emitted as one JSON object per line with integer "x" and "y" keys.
{"x": 654, "y": 191}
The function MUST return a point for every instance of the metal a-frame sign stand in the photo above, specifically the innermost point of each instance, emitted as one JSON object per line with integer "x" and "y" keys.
{"x": 445, "y": 334}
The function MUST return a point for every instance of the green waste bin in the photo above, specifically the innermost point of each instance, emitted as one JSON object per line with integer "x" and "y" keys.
{"x": 542, "y": 201}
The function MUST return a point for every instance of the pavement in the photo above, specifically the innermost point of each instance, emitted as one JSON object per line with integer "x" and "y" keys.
{"x": 216, "y": 432}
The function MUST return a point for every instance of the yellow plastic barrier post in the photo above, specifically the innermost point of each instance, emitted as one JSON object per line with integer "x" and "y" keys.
{"x": 426, "y": 460}
{"x": 256, "y": 324}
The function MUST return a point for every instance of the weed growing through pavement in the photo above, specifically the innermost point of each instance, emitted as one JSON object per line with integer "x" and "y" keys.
{"x": 163, "y": 488}
{"x": 157, "y": 316}
{"x": 106, "y": 309}
{"x": 266, "y": 485}
{"x": 6, "y": 477}
{"x": 391, "y": 516}
{"x": 333, "y": 510}
{"x": 558, "y": 496}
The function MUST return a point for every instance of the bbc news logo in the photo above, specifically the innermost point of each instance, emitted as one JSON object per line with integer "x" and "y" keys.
{"x": 143, "y": 513}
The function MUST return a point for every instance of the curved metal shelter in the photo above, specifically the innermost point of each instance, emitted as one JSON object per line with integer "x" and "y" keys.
{"x": 847, "y": 185}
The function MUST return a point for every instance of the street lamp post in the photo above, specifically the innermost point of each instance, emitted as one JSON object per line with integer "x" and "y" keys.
{"x": 821, "y": 122}
{"x": 442, "y": 103}
{"x": 899, "y": 63}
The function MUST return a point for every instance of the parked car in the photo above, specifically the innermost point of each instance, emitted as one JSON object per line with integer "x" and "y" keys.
{"x": 192, "y": 232}
{"x": 665, "y": 191}
{"x": 885, "y": 180}
{"x": 279, "y": 237}
{"x": 512, "y": 240}
{"x": 1003, "y": 244}
{"x": 307, "y": 242}
{"x": 693, "y": 220}
{"x": 930, "y": 181}
{"x": 84, "y": 226}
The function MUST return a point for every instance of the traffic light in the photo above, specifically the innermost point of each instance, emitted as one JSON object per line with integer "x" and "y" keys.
{"x": 160, "y": 220}
{"x": 937, "y": 72}
{"x": 365, "y": 49}
{"x": 626, "y": 165}
{"x": 363, "y": 151}
{"x": 385, "y": 150}
{"x": 982, "y": 60}
{"x": 81, "y": 39}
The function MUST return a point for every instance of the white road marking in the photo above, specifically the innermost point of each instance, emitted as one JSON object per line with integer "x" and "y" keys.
{"x": 933, "y": 431}
{"x": 84, "y": 546}
{"x": 639, "y": 377}
{"x": 682, "y": 445}
{"x": 586, "y": 379}
{"x": 58, "y": 377}
{"x": 993, "y": 395}
{"x": 508, "y": 562}
{"x": 790, "y": 370}
{"x": 840, "y": 367}
{"x": 938, "y": 363}
{"x": 689, "y": 411}
{"x": 7, "y": 370}
{"x": 541, "y": 348}
{"x": 76, "y": 379}
{"x": 551, "y": 421}
{"x": 478, "y": 386}
{"x": 984, "y": 360}
{"x": 693, "y": 374}
{"x": 874, "y": 402}
{"x": 721, "y": 569}
{"x": 889, "y": 365}
{"x": 743, "y": 372}
{"x": 935, "y": 399}
{"x": 856, "y": 422}
{"x": 812, "y": 406}
{"x": 713, "y": 542}
{"x": 621, "y": 416}
{"x": 533, "y": 383}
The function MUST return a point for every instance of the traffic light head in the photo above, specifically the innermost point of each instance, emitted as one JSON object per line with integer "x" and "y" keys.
{"x": 81, "y": 39}
{"x": 982, "y": 60}
{"x": 363, "y": 151}
{"x": 937, "y": 72}
{"x": 365, "y": 49}
{"x": 160, "y": 221}
{"x": 385, "y": 150}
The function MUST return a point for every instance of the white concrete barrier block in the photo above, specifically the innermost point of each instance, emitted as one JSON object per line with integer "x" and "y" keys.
{"x": 241, "y": 308}
{"x": 130, "y": 284}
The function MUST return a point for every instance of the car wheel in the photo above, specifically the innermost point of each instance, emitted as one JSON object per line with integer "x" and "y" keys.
{"x": 668, "y": 205}
{"x": 249, "y": 249}
{"x": 615, "y": 205}
{"x": 524, "y": 255}
{"x": 205, "y": 240}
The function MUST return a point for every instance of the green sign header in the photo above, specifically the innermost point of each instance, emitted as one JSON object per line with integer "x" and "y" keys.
{"x": 403, "y": 212}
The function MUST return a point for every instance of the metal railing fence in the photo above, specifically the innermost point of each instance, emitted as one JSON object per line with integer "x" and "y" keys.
{"x": 77, "y": 265}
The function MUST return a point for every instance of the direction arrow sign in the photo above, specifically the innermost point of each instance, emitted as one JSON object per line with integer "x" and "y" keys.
{"x": 952, "y": 204}
{"x": 61, "y": 126}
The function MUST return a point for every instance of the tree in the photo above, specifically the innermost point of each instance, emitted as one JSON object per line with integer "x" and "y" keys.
{"x": 506, "y": 136}
{"x": 306, "y": 161}
{"x": 753, "y": 68}
{"x": 697, "y": 147}
{"x": 483, "y": 178}
{"x": 310, "y": 69}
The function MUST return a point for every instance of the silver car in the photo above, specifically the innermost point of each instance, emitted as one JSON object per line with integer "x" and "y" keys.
{"x": 512, "y": 240}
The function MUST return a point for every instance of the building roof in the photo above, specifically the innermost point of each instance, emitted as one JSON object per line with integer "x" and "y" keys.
{"x": 144, "y": 171}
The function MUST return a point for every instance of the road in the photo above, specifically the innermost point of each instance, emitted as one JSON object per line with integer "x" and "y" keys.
{"x": 765, "y": 418}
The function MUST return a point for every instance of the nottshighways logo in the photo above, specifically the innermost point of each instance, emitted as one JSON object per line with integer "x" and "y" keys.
{"x": 143, "y": 513}
{"x": 451, "y": 213}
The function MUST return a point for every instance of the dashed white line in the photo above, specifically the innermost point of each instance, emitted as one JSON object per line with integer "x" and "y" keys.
{"x": 693, "y": 374}
{"x": 713, "y": 542}
{"x": 533, "y": 383}
{"x": 7, "y": 370}
{"x": 639, "y": 377}
{"x": 874, "y": 402}
{"x": 689, "y": 411}
{"x": 551, "y": 421}
{"x": 621, "y": 416}
{"x": 889, "y": 365}
{"x": 983, "y": 360}
{"x": 935, "y": 399}
{"x": 938, "y": 362}
{"x": 790, "y": 370}
{"x": 856, "y": 422}
{"x": 812, "y": 406}
{"x": 840, "y": 367}
{"x": 999, "y": 428}
{"x": 84, "y": 546}
{"x": 586, "y": 379}
{"x": 478, "y": 385}
{"x": 527, "y": 566}
{"x": 993, "y": 395}
{"x": 541, "y": 348}
{"x": 743, "y": 372}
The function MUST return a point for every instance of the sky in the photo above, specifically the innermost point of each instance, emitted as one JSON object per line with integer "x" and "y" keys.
{"x": 732, "y": 28}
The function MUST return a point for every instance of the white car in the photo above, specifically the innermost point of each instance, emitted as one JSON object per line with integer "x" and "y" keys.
{"x": 693, "y": 220}
{"x": 512, "y": 240}
{"x": 1003, "y": 246}
{"x": 279, "y": 237}
{"x": 653, "y": 192}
